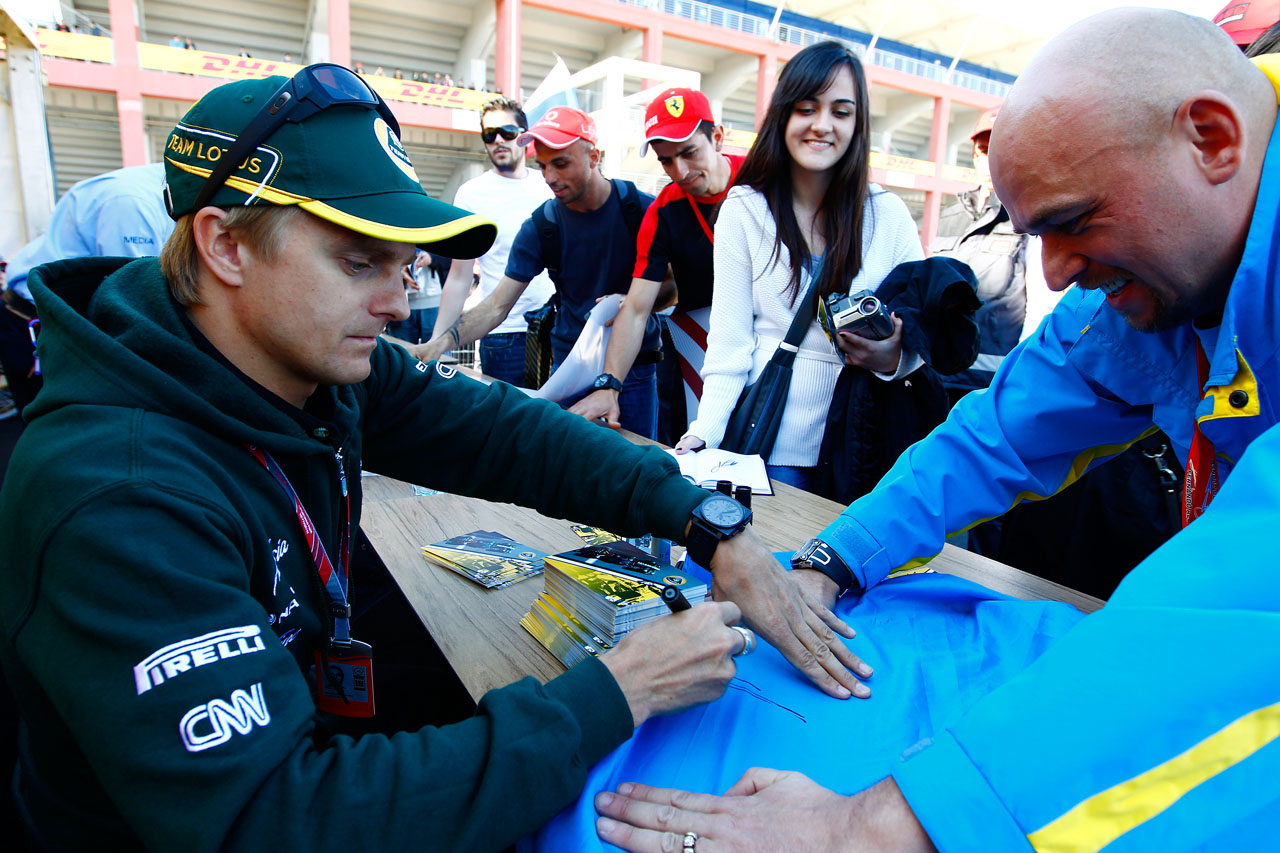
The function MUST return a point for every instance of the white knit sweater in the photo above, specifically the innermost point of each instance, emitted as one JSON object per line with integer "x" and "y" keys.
{"x": 750, "y": 316}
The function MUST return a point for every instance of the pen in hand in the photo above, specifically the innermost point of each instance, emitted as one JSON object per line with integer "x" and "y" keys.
{"x": 674, "y": 598}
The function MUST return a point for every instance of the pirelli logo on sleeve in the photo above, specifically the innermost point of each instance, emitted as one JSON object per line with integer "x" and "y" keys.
{"x": 185, "y": 655}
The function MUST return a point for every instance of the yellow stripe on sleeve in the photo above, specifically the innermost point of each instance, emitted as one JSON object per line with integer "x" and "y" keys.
{"x": 1106, "y": 816}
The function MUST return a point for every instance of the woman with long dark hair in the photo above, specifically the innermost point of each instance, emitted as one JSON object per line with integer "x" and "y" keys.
{"x": 802, "y": 200}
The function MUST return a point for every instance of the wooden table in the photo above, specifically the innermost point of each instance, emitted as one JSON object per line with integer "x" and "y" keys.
{"x": 479, "y": 630}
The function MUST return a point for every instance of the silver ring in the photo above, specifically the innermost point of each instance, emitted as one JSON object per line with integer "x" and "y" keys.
{"x": 690, "y": 841}
{"x": 748, "y": 640}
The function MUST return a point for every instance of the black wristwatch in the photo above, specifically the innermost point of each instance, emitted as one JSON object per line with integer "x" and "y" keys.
{"x": 821, "y": 557}
{"x": 606, "y": 380}
{"x": 717, "y": 518}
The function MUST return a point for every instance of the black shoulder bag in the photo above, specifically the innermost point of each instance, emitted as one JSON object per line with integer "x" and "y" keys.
{"x": 753, "y": 426}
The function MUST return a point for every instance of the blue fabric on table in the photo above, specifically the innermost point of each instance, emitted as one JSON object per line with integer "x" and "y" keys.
{"x": 937, "y": 644}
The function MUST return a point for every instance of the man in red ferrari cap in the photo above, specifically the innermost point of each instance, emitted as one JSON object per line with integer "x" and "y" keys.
{"x": 585, "y": 239}
{"x": 678, "y": 232}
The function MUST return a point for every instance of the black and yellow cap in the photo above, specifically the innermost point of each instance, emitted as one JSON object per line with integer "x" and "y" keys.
{"x": 344, "y": 164}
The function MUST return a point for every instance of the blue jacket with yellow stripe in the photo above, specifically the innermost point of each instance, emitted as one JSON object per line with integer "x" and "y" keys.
{"x": 1153, "y": 724}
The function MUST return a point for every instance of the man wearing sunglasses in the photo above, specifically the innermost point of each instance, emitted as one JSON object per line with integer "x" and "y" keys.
{"x": 505, "y": 194}
{"x": 179, "y": 632}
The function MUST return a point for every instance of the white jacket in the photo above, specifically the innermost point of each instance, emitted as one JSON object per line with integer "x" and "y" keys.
{"x": 750, "y": 315}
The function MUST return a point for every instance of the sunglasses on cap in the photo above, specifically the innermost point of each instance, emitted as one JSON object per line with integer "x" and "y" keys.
{"x": 507, "y": 132}
{"x": 314, "y": 88}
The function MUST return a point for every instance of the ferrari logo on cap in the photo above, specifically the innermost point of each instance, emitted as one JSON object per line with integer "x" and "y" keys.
{"x": 675, "y": 105}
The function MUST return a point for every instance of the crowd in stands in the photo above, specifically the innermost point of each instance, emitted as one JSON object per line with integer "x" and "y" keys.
{"x": 198, "y": 408}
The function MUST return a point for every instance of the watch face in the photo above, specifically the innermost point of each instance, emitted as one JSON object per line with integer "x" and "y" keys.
{"x": 723, "y": 511}
{"x": 601, "y": 382}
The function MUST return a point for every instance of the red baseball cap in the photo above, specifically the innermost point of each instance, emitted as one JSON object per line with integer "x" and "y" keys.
{"x": 986, "y": 121}
{"x": 560, "y": 127}
{"x": 1246, "y": 22}
{"x": 674, "y": 116}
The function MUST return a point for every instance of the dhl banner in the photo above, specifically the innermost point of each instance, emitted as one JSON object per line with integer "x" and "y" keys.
{"x": 427, "y": 93}
{"x": 960, "y": 173}
{"x": 160, "y": 57}
{"x": 203, "y": 63}
{"x": 742, "y": 139}
{"x": 75, "y": 46}
{"x": 907, "y": 165}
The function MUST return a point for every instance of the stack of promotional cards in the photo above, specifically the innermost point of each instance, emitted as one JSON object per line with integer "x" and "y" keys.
{"x": 596, "y": 594}
{"x": 487, "y": 557}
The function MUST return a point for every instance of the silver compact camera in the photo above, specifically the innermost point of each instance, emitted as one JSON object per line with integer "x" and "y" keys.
{"x": 861, "y": 314}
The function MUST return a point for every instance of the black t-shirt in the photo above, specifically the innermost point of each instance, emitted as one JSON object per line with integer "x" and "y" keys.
{"x": 672, "y": 233}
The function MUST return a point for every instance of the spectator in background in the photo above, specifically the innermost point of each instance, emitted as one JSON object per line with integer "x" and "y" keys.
{"x": 188, "y": 43}
{"x": 802, "y": 199}
{"x": 505, "y": 194}
{"x": 438, "y": 79}
{"x": 448, "y": 81}
{"x": 118, "y": 214}
{"x": 244, "y": 52}
{"x": 359, "y": 69}
{"x": 176, "y": 41}
{"x": 398, "y": 75}
{"x": 422, "y": 280}
{"x": 976, "y": 230}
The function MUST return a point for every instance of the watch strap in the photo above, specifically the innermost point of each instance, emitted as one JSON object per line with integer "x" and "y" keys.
{"x": 821, "y": 557}
{"x": 701, "y": 544}
{"x": 611, "y": 382}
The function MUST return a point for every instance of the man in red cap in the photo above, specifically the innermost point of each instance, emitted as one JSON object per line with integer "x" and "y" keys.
{"x": 676, "y": 232}
{"x": 585, "y": 240}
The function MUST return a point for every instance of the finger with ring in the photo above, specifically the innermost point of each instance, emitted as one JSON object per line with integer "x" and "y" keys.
{"x": 748, "y": 640}
{"x": 690, "y": 841}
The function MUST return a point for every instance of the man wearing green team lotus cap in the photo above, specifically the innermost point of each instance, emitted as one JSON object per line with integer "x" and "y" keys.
{"x": 178, "y": 516}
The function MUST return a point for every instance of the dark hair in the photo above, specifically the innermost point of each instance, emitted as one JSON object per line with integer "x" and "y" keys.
{"x": 706, "y": 128}
{"x": 767, "y": 169}
{"x": 506, "y": 105}
{"x": 1268, "y": 42}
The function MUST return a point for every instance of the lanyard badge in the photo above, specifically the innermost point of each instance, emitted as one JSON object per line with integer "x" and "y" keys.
{"x": 343, "y": 679}
{"x": 343, "y": 671}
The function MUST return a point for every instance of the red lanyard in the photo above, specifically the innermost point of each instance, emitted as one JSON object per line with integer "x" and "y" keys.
{"x": 1202, "y": 463}
{"x": 335, "y": 582}
{"x": 697, "y": 211}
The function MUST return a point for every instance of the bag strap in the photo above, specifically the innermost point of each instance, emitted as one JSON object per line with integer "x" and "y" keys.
{"x": 805, "y": 313}
{"x": 632, "y": 211}
{"x": 548, "y": 226}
